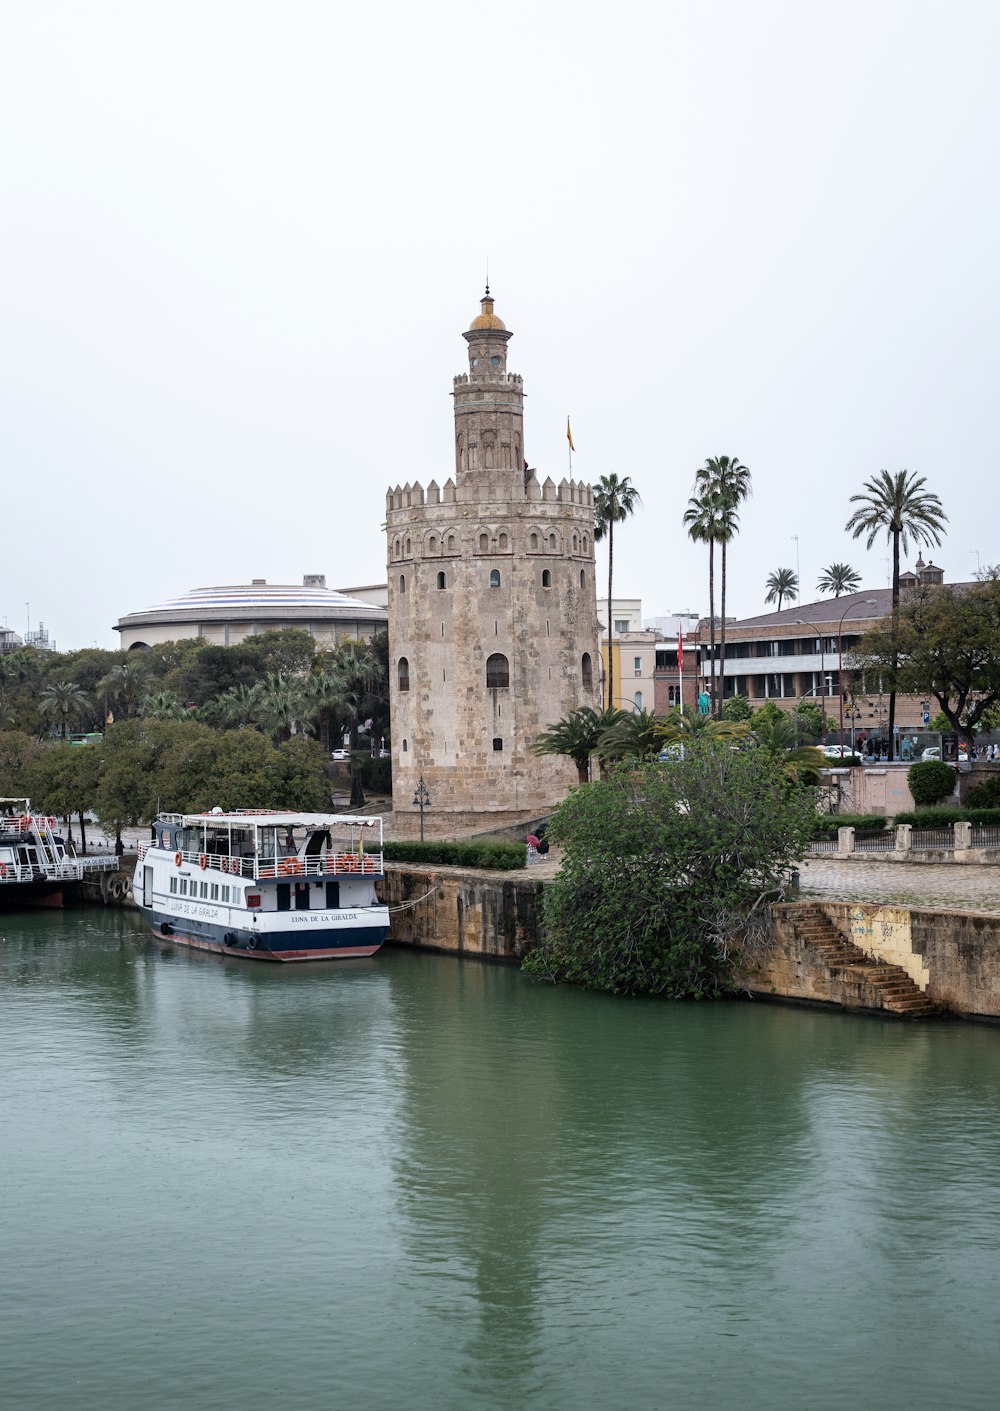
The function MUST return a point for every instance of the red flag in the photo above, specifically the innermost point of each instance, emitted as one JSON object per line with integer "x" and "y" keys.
{"x": 680, "y": 650}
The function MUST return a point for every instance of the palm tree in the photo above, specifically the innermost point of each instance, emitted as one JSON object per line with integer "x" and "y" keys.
{"x": 801, "y": 764}
{"x": 63, "y": 701}
{"x": 163, "y": 705}
{"x": 284, "y": 705}
{"x": 126, "y": 682}
{"x": 578, "y": 736}
{"x": 702, "y": 520}
{"x": 839, "y": 578}
{"x": 634, "y": 735}
{"x": 238, "y": 706}
{"x": 907, "y": 512}
{"x": 728, "y": 480}
{"x": 687, "y": 725}
{"x": 614, "y": 501}
{"x": 781, "y": 584}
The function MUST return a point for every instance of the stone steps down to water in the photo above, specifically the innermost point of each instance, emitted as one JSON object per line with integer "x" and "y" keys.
{"x": 896, "y": 991}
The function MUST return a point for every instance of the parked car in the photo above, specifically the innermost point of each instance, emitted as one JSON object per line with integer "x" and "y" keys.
{"x": 340, "y": 754}
{"x": 837, "y": 751}
{"x": 932, "y": 752}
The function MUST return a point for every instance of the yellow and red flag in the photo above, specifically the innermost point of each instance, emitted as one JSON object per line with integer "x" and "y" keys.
{"x": 569, "y": 436}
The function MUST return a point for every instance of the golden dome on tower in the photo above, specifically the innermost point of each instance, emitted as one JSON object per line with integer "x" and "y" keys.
{"x": 487, "y": 319}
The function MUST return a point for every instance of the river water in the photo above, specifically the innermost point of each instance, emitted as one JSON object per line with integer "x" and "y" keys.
{"x": 423, "y": 1182}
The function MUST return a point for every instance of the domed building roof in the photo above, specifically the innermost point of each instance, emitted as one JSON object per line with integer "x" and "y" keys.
{"x": 487, "y": 319}
{"x": 227, "y": 614}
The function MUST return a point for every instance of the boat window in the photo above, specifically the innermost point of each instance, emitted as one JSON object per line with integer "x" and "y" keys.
{"x": 173, "y": 885}
{"x": 184, "y": 886}
{"x": 225, "y": 894}
{"x": 204, "y": 890}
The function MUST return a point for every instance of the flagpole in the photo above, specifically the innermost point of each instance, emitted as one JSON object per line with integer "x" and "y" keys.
{"x": 680, "y": 664}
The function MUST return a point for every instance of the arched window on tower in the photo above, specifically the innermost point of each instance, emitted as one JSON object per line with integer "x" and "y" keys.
{"x": 494, "y": 578}
{"x": 583, "y": 579}
{"x": 395, "y": 547}
{"x": 503, "y": 543}
{"x": 497, "y": 672}
{"x": 408, "y": 549}
{"x": 586, "y": 543}
{"x": 587, "y": 672}
{"x": 402, "y": 582}
{"x": 534, "y": 541}
{"x": 576, "y": 544}
{"x": 432, "y": 544}
{"x": 442, "y": 580}
{"x": 484, "y": 543}
{"x": 546, "y": 578}
{"x": 552, "y": 543}
{"x": 404, "y": 674}
{"x": 451, "y": 543}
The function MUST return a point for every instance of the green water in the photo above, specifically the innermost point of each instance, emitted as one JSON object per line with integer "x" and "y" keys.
{"x": 428, "y": 1183}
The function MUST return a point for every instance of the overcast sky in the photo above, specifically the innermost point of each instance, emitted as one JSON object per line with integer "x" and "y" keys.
{"x": 240, "y": 242}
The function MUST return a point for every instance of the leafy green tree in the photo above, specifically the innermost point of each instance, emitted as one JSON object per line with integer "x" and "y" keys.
{"x": 726, "y": 481}
{"x": 18, "y": 753}
{"x": 236, "y": 708}
{"x": 351, "y": 688}
{"x": 62, "y": 779}
{"x": 781, "y": 584}
{"x": 577, "y": 736}
{"x": 943, "y": 643}
{"x": 667, "y": 873}
{"x": 838, "y": 578}
{"x": 287, "y": 650}
{"x": 768, "y": 711}
{"x": 213, "y": 672}
{"x": 62, "y": 702}
{"x": 941, "y": 723}
{"x": 907, "y": 513}
{"x": 736, "y": 709}
{"x": 615, "y": 500}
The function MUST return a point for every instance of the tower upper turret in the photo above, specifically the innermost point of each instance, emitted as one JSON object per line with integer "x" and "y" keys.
{"x": 488, "y": 404}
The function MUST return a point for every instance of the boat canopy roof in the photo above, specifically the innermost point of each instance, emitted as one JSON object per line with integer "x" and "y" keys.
{"x": 271, "y": 818}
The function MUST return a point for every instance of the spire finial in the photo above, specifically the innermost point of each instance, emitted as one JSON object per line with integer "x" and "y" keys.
{"x": 487, "y": 276}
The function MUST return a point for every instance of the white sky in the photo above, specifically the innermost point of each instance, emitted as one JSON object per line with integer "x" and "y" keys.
{"x": 240, "y": 242}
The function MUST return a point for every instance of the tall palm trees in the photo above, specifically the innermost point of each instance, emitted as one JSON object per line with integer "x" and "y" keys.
{"x": 720, "y": 487}
{"x": 63, "y": 701}
{"x": 614, "y": 500}
{"x": 781, "y": 584}
{"x": 907, "y": 512}
{"x": 838, "y": 578}
{"x": 728, "y": 480}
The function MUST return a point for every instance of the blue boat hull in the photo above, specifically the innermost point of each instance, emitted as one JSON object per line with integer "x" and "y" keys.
{"x": 349, "y": 944}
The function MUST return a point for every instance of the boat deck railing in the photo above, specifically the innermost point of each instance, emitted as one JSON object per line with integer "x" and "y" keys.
{"x": 346, "y": 863}
{"x": 70, "y": 869}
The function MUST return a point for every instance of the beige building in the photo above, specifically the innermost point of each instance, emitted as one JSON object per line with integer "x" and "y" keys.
{"x": 225, "y": 616}
{"x": 492, "y": 606}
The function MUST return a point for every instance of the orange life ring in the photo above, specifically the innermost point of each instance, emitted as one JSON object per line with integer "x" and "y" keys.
{"x": 178, "y": 858}
{"x": 3, "y": 869}
{"x": 203, "y": 862}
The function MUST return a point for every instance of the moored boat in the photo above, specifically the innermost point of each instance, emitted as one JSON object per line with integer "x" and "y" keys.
{"x": 36, "y": 867}
{"x": 263, "y": 884}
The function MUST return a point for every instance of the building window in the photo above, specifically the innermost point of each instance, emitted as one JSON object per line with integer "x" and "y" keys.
{"x": 408, "y": 548}
{"x": 442, "y": 580}
{"x": 497, "y": 672}
{"x": 404, "y": 674}
{"x": 431, "y": 544}
{"x": 497, "y": 743}
{"x": 587, "y": 671}
{"x": 451, "y": 543}
{"x": 672, "y": 695}
{"x": 637, "y": 665}
{"x": 494, "y": 578}
{"x": 546, "y": 578}
{"x": 404, "y": 747}
{"x": 583, "y": 579}
{"x": 534, "y": 541}
{"x": 638, "y": 700}
{"x": 484, "y": 543}
{"x": 552, "y": 543}
{"x": 621, "y": 624}
{"x": 503, "y": 543}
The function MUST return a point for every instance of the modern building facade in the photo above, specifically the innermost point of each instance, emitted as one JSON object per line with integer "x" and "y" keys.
{"x": 492, "y": 605}
{"x": 225, "y": 616}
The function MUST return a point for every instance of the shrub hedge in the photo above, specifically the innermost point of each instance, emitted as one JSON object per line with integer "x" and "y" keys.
{"x": 505, "y": 857}
{"x": 984, "y": 795}
{"x": 942, "y": 817}
{"x": 376, "y": 774}
{"x": 931, "y": 781}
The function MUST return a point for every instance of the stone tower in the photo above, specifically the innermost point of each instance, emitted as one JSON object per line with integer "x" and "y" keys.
{"x": 492, "y": 605}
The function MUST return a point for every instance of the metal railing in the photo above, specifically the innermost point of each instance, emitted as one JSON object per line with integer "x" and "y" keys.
{"x": 985, "y": 835}
{"x": 70, "y": 869}
{"x": 330, "y": 864}
{"x": 882, "y": 840}
{"x": 937, "y": 839}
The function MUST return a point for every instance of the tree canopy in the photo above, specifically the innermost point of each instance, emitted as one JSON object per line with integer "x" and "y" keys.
{"x": 668, "y": 871}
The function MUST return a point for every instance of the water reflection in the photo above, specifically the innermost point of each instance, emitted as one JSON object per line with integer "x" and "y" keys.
{"x": 450, "y": 1186}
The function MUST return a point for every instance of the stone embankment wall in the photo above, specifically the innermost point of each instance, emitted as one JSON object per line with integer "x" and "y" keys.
{"x": 953, "y": 957}
{"x": 462, "y": 911}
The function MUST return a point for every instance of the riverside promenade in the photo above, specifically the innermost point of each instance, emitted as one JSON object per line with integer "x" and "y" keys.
{"x": 948, "y": 886}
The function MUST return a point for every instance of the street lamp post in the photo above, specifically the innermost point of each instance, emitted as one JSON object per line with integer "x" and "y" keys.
{"x": 421, "y": 800}
{"x": 868, "y": 602}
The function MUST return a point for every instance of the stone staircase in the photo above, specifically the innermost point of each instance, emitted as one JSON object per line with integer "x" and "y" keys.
{"x": 892, "y": 986}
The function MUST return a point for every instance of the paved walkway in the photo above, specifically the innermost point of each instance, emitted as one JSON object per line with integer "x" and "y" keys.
{"x": 955, "y": 887}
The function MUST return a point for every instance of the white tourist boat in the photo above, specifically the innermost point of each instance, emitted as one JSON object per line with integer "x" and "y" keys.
{"x": 267, "y": 885}
{"x": 36, "y": 866}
